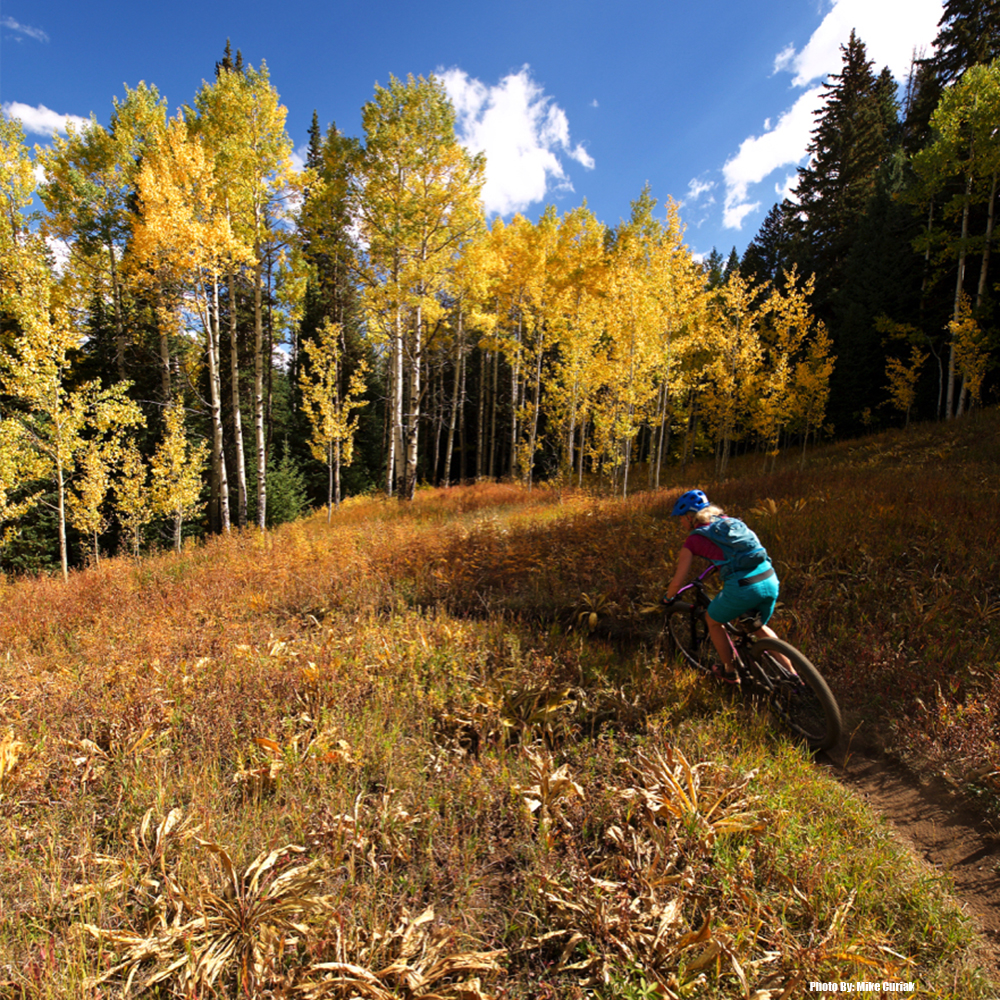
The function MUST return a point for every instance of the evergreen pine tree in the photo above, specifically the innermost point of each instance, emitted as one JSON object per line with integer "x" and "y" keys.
{"x": 850, "y": 143}
{"x": 732, "y": 266}
{"x": 968, "y": 34}
{"x": 770, "y": 252}
{"x": 713, "y": 269}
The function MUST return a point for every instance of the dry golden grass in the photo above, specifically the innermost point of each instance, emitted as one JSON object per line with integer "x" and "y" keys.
{"x": 382, "y": 758}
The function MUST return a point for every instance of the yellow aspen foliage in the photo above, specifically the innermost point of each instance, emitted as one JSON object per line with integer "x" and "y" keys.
{"x": 86, "y": 500}
{"x": 417, "y": 193}
{"x": 183, "y": 232}
{"x": 902, "y": 384}
{"x": 184, "y": 240}
{"x": 970, "y": 346}
{"x": 20, "y": 465}
{"x": 57, "y": 421}
{"x": 177, "y": 466}
{"x": 812, "y": 384}
{"x": 132, "y": 504}
{"x": 731, "y": 374}
{"x": 328, "y": 407}
{"x": 792, "y": 385}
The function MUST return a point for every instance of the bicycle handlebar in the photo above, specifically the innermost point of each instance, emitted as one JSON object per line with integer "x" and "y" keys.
{"x": 698, "y": 582}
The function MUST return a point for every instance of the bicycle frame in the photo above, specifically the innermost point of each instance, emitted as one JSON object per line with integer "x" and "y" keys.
{"x": 771, "y": 671}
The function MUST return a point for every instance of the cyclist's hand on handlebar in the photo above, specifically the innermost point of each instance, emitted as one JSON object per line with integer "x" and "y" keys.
{"x": 666, "y": 600}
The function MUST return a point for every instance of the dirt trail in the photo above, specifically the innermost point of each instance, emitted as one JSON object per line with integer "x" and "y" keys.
{"x": 939, "y": 824}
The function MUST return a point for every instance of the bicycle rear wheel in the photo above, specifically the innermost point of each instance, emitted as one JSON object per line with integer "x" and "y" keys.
{"x": 804, "y": 703}
{"x": 690, "y": 636}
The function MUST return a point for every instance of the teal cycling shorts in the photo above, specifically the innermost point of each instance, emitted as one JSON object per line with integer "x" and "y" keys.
{"x": 734, "y": 600}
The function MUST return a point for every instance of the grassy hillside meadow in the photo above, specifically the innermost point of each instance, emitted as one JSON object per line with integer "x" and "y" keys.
{"x": 383, "y": 758}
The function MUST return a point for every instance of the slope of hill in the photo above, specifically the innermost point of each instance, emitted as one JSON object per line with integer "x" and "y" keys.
{"x": 375, "y": 759}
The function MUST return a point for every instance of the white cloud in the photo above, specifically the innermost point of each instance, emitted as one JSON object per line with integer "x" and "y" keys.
{"x": 759, "y": 156}
{"x": 889, "y": 34}
{"x": 890, "y": 39}
{"x": 60, "y": 252}
{"x": 784, "y": 58}
{"x": 23, "y": 29}
{"x": 786, "y": 190}
{"x": 41, "y": 120}
{"x": 523, "y": 133}
{"x": 696, "y": 188}
{"x": 299, "y": 156}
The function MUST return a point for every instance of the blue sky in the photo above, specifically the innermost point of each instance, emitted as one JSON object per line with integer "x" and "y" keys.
{"x": 711, "y": 103}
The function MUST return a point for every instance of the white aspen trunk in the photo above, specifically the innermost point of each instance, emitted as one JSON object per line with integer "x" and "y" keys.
{"x": 455, "y": 396}
{"x": 61, "y": 490}
{"x": 481, "y": 414}
{"x": 258, "y": 388}
{"x": 514, "y": 391}
{"x": 664, "y": 434}
{"x": 396, "y": 446}
{"x": 215, "y": 406}
{"x": 985, "y": 266}
{"x": 413, "y": 410}
{"x": 234, "y": 374}
{"x": 336, "y": 473}
{"x": 533, "y": 439}
{"x": 959, "y": 282}
{"x": 164, "y": 358}
{"x": 571, "y": 429}
{"x": 116, "y": 298}
{"x": 462, "y": 398}
{"x": 493, "y": 414}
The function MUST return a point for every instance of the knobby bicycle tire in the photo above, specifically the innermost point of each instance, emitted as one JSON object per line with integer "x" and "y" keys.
{"x": 804, "y": 704}
{"x": 690, "y": 637}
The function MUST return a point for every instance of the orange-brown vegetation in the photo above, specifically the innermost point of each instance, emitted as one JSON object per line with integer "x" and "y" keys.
{"x": 381, "y": 758}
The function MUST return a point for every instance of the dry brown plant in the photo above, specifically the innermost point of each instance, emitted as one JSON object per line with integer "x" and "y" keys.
{"x": 238, "y": 934}
{"x": 421, "y": 964}
{"x": 550, "y": 789}
{"x": 12, "y": 753}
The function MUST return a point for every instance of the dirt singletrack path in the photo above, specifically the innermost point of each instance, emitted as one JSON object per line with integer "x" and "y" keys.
{"x": 938, "y": 823}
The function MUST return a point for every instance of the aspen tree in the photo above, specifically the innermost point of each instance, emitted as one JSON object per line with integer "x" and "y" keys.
{"x": 184, "y": 239}
{"x": 56, "y": 421}
{"x": 89, "y": 191}
{"x": 970, "y": 348}
{"x": 812, "y": 384}
{"x": 577, "y": 329}
{"x": 732, "y": 373}
{"x": 902, "y": 384}
{"x": 86, "y": 501}
{"x": 785, "y": 320}
{"x": 20, "y": 466}
{"x": 243, "y": 124}
{"x": 966, "y": 147}
{"x": 639, "y": 269}
{"x": 176, "y": 472}
{"x": 328, "y": 405}
{"x": 418, "y": 199}
{"x": 470, "y": 287}
{"x": 132, "y": 497}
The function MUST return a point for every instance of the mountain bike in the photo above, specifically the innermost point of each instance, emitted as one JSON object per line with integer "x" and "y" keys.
{"x": 799, "y": 698}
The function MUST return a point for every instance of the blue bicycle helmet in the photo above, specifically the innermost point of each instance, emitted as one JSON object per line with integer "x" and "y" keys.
{"x": 687, "y": 502}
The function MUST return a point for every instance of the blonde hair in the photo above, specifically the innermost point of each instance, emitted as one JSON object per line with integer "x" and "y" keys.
{"x": 706, "y": 515}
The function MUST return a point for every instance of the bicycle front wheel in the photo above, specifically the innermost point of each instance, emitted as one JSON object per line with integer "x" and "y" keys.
{"x": 802, "y": 701}
{"x": 690, "y": 637}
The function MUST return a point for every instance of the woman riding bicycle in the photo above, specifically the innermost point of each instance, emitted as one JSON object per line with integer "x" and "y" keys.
{"x": 749, "y": 583}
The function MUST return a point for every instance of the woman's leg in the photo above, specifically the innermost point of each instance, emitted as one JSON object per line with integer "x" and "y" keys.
{"x": 769, "y": 632}
{"x": 721, "y": 642}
